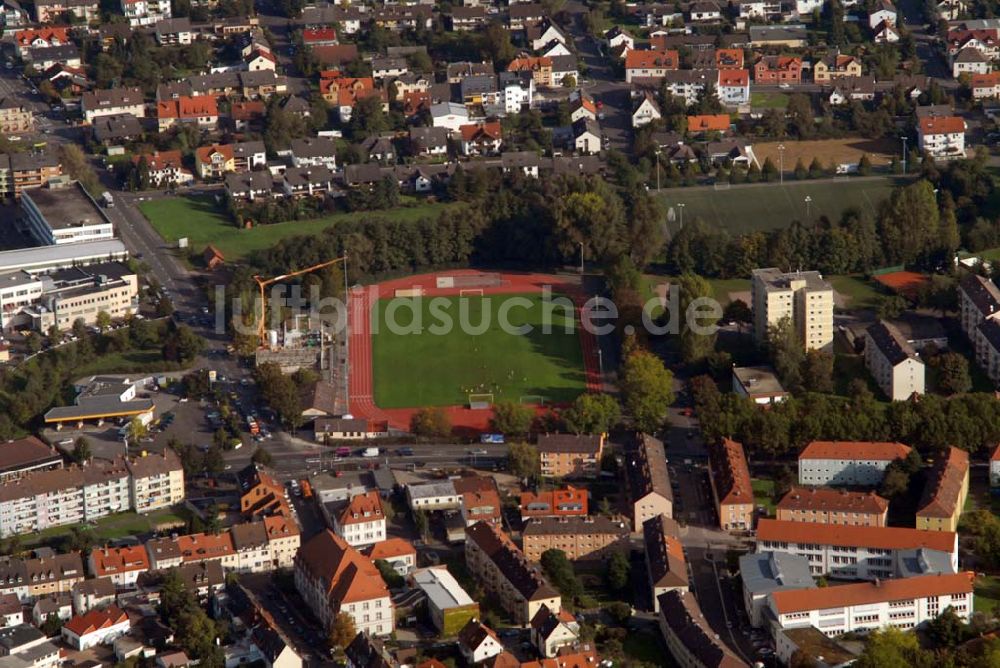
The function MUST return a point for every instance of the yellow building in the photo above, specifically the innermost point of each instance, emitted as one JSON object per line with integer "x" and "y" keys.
{"x": 836, "y": 66}
{"x": 213, "y": 162}
{"x": 802, "y": 296}
{"x": 945, "y": 492}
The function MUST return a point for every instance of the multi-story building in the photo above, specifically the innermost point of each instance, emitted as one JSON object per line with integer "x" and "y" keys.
{"x": 642, "y": 64}
{"x": 361, "y": 520}
{"x": 449, "y": 606}
{"x": 145, "y": 12}
{"x": 111, "y": 102}
{"x": 581, "y": 538}
{"x": 778, "y": 70}
{"x": 861, "y": 553}
{"x": 64, "y": 215}
{"x": 504, "y": 571}
{"x": 164, "y": 168}
{"x": 540, "y": 68}
{"x": 985, "y": 86}
{"x": 120, "y": 565}
{"x": 253, "y": 552}
{"x": 987, "y": 345}
{"x": 80, "y": 293}
{"x": 565, "y": 502}
{"x": 25, "y": 455}
{"x": 52, "y": 11}
{"x": 649, "y": 491}
{"x": 157, "y": 481}
{"x": 942, "y": 137}
{"x": 734, "y": 87}
{"x": 995, "y": 467}
{"x": 854, "y": 463}
{"x": 215, "y": 161}
{"x": 731, "y": 490}
{"x": 867, "y": 606}
{"x": 333, "y": 577}
{"x": 49, "y": 576}
{"x": 801, "y": 296}
{"x": 198, "y": 547}
{"x": 283, "y": 540}
{"x": 480, "y": 504}
{"x": 979, "y": 305}
{"x": 893, "y": 362}
{"x": 261, "y": 495}
{"x": 689, "y": 638}
{"x": 833, "y": 506}
{"x": 768, "y": 572}
{"x": 15, "y": 117}
{"x": 945, "y": 491}
{"x": 836, "y": 66}
{"x": 29, "y": 170}
{"x": 665, "y": 561}
{"x": 570, "y": 455}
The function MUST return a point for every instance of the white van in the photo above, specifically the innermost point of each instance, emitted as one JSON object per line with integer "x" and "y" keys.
{"x": 370, "y": 452}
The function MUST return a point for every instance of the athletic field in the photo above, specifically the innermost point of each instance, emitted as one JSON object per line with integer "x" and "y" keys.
{"x": 742, "y": 209}
{"x": 425, "y": 364}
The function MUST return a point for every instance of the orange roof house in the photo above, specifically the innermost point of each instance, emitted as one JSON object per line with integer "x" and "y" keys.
{"x": 708, "y": 123}
{"x": 213, "y": 257}
{"x": 729, "y": 59}
{"x": 198, "y": 108}
{"x": 942, "y": 125}
{"x": 53, "y": 36}
{"x": 790, "y": 601}
{"x": 204, "y": 546}
{"x": 869, "y": 450}
{"x": 565, "y": 502}
{"x": 391, "y": 549}
{"x": 108, "y": 562}
{"x": 160, "y": 160}
{"x": 478, "y": 132}
{"x": 734, "y": 78}
{"x": 887, "y": 538}
{"x": 362, "y": 508}
{"x": 262, "y": 495}
{"x": 652, "y": 60}
{"x": 95, "y": 620}
{"x": 730, "y": 480}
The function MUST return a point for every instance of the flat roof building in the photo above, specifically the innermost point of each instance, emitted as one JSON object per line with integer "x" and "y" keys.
{"x": 449, "y": 605}
{"x": 766, "y": 572}
{"x": 803, "y": 297}
{"x": 66, "y": 215}
{"x": 47, "y": 258}
{"x": 759, "y": 384}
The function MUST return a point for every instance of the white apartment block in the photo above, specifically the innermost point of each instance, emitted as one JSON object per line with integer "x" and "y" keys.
{"x": 861, "y": 553}
{"x": 942, "y": 137}
{"x": 64, "y": 216}
{"x": 113, "y": 102}
{"x": 862, "y": 607}
{"x": 361, "y": 521}
{"x": 978, "y": 300}
{"x": 893, "y": 362}
{"x": 283, "y": 540}
{"x": 802, "y": 296}
{"x": 157, "y": 481}
{"x": 855, "y": 463}
{"x": 145, "y": 12}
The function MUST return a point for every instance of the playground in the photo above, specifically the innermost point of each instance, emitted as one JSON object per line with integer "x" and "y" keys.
{"x": 437, "y": 340}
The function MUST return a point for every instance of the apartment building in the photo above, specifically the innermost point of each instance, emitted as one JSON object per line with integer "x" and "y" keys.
{"x": 333, "y": 577}
{"x": 861, "y": 553}
{"x": 15, "y": 117}
{"x": 649, "y": 491}
{"x": 778, "y": 70}
{"x": 836, "y": 66}
{"x": 893, "y": 362}
{"x": 566, "y": 502}
{"x": 142, "y": 13}
{"x": 734, "y": 87}
{"x": 987, "y": 345}
{"x": 481, "y": 505}
{"x": 360, "y": 520}
{"x": 995, "y": 467}
{"x": 867, "y": 606}
{"x": 833, "y": 506}
{"x": 120, "y": 565}
{"x": 198, "y": 547}
{"x": 581, "y": 538}
{"x": 164, "y": 168}
{"x": 261, "y": 495}
{"x": 111, "y": 102}
{"x": 23, "y": 171}
{"x": 855, "y": 463}
{"x": 643, "y": 64}
{"x": 570, "y": 455}
{"x": 690, "y": 639}
{"x": 25, "y": 455}
{"x": 504, "y": 571}
{"x": 941, "y": 137}
{"x": 157, "y": 481}
{"x": 731, "y": 490}
{"x": 253, "y": 551}
{"x": 666, "y": 564}
{"x": 801, "y": 296}
{"x": 767, "y": 572}
{"x": 64, "y": 215}
{"x": 51, "y": 11}
{"x": 283, "y": 540}
{"x": 978, "y": 301}
{"x": 945, "y": 491}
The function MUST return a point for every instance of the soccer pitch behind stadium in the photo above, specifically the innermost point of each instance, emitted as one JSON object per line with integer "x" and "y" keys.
{"x": 441, "y": 369}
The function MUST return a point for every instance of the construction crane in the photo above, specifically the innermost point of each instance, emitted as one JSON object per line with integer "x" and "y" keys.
{"x": 262, "y": 283}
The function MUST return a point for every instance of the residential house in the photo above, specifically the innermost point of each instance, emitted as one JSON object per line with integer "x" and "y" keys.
{"x": 94, "y": 593}
{"x": 176, "y": 31}
{"x": 251, "y": 544}
{"x": 893, "y": 362}
{"x": 583, "y": 106}
{"x": 540, "y": 68}
{"x": 554, "y": 633}
{"x": 165, "y": 168}
{"x": 565, "y": 502}
{"x": 649, "y": 490}
{"x": 361, "y": 520}
{"x": 214, "y": 161}
{"x": 942, "y": 137}
{"x": 886, "y": 33}
{"x": 731, "y": 489}
{"x": 522, "y": 15}
{"x": 852, "y": 463}
{"x": 307, "y": 181}
{"x": 970, "y": 61}
{"x": 389, "y": 68}
{"x": 581, "y": 538}
{"x": 689, "y": 85}
{"x": 429, "y": 141}
{"x": 708, "y": 123}
{"x": 478, "y": 643}
{"x": 481, "y": 138}
{"x": 995, "y": 467}
{"x": 836, "y": 65}
{"x": 645, "y": 111}
{"x": 112, "y": 102}
{"x": 141, "y": 13}
{"x": 283, "y": 540}
{"x": 733, "y": 88}
{"x": 313, "y": 152}
{"x": 883, "y": 12}
{"x": 397, "y": 552}
{"x": 985, "y": 85}
{"x": 704, "y": 11}
{"x": 248, "y": 156}
{"x": 652, "y": 64}
{"x": 570, "y": 455}
{"x": 617, "y": 37}
{"x": 97, "y": 627}
{"x": 464, "y": 19}
{"x": 199, "y": 110}
{"x": 120, "y": 565}
{"x": 945, "y": 491}
{"x": 770, "y": 70}
{"x": 833, "y": 506}
{"x": 587, "y": 137}
{"x": 33, "y": 38}
{"x": 666, "y": 565}
{"x": 450, "y": 115}
{"x": 689, "y": 638}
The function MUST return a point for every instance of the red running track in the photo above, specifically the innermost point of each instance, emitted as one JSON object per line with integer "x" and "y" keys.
{"x": 463, "y": 419}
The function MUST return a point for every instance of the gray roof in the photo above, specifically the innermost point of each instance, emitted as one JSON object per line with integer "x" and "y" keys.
{"x": 766, "y": 572}
{"x": 60, "y": 254}
{"x": 13, "y": 637}
{"x": 97, "y": 406}
{"x": 432, "y": 489}
{"x": 891, "y": 343}
{"x": 441, "y": 588}
{"x": 116, "y": 126}
{"x": 67, "y": 208}
{"x": 923, "y": 561}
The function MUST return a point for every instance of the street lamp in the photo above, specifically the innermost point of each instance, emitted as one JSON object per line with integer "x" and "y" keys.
{"x": 657, "y": 170}
{"x": 781, "y": 164}
{"x": 681, "y": 206}
{"x": 809, "y": 200}
{"x": 904, "y": 153}
{"x": 581, "y": 258}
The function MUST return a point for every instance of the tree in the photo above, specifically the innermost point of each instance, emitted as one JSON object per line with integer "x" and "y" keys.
{"x": 262, "y": 457}
{"x": 136, "y": 430}
{"x": 695, "y": 323}
{"x": 786, "y": 352}
{"x": 891, "y": 648}
{"x": 895, "y": 482}
{"x": 52, "y": 625}
{"x": 890, "y": 307}
{"x": 392, "y": 579}
{"x": 33, "y": 342}
{"x": 800, "y": 170}
{"x": 181, "y": 344}
{"x": 864, "y": 165}
{"x": 953, "y": 373}
{"x": 817, "y": 371}
{"x": 74, "y": 162}
{"x": 213, "y": 461}
{"x": 103, "y": 321}
{"x": 947, "y": 629}
{"x": 342, "y": 631}
{"x": 648, "y": 390}
{"x": 616, "y": 572}
{"x": 511, "y": 418}
{"x": 560, "y": 571}
{"x": 164, "y": 307}
{"x": 619, "y": 611}
{"x": 592, "y": 413}
{"x": 82, "y": 452}
{"x": 421, "y": 522}
{"x": 431, "y": 421}
{"x": 280, "y": 392}
{"x": 523, "y": 458}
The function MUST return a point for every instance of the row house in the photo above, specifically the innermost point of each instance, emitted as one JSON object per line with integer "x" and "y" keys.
{"x": 824, "y": 505}
{"x": 312, "y": 152}
{"x": 164, "y": 168}
{"x": 34, "y": 38}
{"x": 942, "y": 137}
{"x": 44, "y": 58}
{"x": 51, "y": 11}
{"x": 120, "y": 565}
{"x": 198, "y": 547}
{"x": 250, "y": 186}
{"x": 112, "y": 102}
{"x": 283, "y": 540}
{"x": 869, "y": 606}
{"x": 521, "y": 16}
{"x": 465, "y": 19}
{"x": 769, "y": 70}
{"x": 836, "y": 66}
{"x": 199, "y": 110}
{"x": 945, "y": 491}
{"x": 970, "y": 61}
{"x": 986, "y": 41}
{"x": 730, "y": 480}
{"x": 854, "y": 463}
{"x": 648, "y": 481}
{"x": 51, "y": 576}
{"x": 640, "y": 64}
{"x": 570, "y": 455}
{"x": 893, "y": 362}
{"x": 985, "y": 86}
{"x": 688, "y": 636}
{"x": 320, "y": 36}
{"x": 861, "y": 553}
{"x": 568, "y": 501}
{"x": 666, "y": 565}
{"x": 582, "y": 538}
{"x": 398, "y": 18}
{"x": 332, "y": 577}
{"x": 253, "y": 552}
{"x": 503, "y": 570}
{"x": 248, "y": 156}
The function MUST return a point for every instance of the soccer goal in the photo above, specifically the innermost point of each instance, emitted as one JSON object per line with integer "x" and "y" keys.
{"x": 480, "y": 401}
{"x": 534, "y": 400}
{"x": 471, "y": 292}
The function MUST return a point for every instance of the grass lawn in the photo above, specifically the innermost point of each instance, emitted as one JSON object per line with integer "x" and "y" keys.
{"x": 128, "y": 362}
{"x": 423, "y": 363}
{"x": 644, "y": 647}
{"x": 986, "y": 594}
{"x": 198, "y": 219}
{"x": 750, "y": 208}
{"x": 763, "y": 494}
{"x": 860, "y": 293}
{"x": 768, "y": 100}
{"x": 112, "y": 527}
{"x": 721, "y": 287}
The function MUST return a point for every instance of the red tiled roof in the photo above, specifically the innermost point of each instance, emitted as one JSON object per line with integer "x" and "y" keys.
{"x": 890, "y": 538}
{"x": 708, "y": 123}
{"x": 941, "y": 125}
{"x": 95, "y": 620}
{"x": 730, "y": 473}
{"x": 310, "y": 35}
{"x": 645, "y": 60}
{"x": 729, "y": 58}
{"x": 826, "y": 499}
{"x": 871, "y": 450}
{"x": 943, "y": 489}
{"x": 529, "y": 63}
{"x": 557, "y": 501}
{"x": 734, "y": 77}
{"x": 489, "y": 131}
{"x": 346, "y": 575}
{"x": 866, "y": 593}
{"x": 160, "y": 160}
{"x": 57, "y": 33}
{"x": 390, "y": 549}
{"x": 988, "y": 80}
{"x": 362, "y": 508}
{"x": 188, "y": 106}
{"x": 204, "y": 154}
{"x": 201, "y": 546}
{"x": 111, "y": 561}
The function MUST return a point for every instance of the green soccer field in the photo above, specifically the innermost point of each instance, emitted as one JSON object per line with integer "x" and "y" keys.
{"x": 441, "y": 366}
{"x": 742, "y": 209}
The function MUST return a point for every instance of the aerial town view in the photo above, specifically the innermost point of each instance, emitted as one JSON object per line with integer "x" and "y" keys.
{"x": 500, "y": 333}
